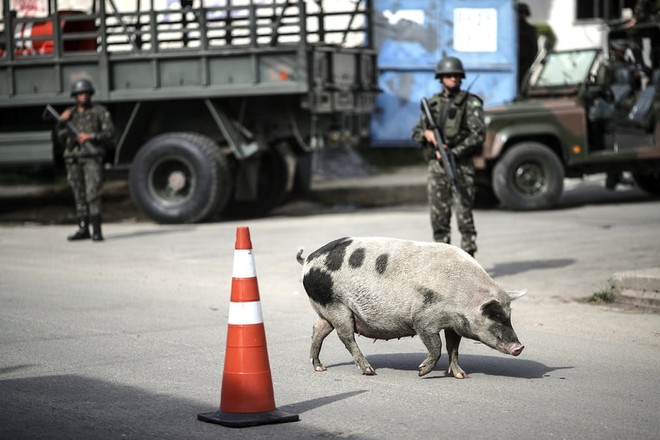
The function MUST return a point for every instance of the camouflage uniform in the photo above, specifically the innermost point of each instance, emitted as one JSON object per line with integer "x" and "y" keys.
{"x": 84, "y": 163}
{"x": 464, "y": 130}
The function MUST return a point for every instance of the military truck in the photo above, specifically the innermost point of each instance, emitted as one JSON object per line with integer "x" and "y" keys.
{"x": 567, "y": 123}
{"x": 218, "y": 105}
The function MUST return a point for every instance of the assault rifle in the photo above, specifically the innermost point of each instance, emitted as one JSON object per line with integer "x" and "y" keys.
{"x": 448, "y": 160}
{"x": 51, "y": 113}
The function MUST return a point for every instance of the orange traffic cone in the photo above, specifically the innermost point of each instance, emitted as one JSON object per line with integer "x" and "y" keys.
{"x": 247, "y": 397}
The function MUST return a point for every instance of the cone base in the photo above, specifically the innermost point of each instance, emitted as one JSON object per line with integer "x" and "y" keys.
{"x": 241, "y": 420}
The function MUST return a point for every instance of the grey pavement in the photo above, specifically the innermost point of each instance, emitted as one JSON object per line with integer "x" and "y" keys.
{"x": 362, "y": 188}
{"x": 407, "y": 185}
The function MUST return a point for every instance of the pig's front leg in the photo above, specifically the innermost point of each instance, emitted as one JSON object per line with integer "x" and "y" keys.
{"x": 453, "y": 340}
{"x": 433, "y": 343}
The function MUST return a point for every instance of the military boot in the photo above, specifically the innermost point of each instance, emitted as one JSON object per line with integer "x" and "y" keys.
{"x": 83, "y": 230}
{"x": 96, "y": 228}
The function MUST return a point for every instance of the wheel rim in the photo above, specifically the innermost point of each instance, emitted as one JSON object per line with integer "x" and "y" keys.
{"x": 530, "y": 179}
{"x": 172, "y": 181}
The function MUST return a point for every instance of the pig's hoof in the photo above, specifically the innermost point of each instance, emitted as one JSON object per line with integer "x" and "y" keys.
{"x": 319, "y": 367}
{"x": 368, "y": 371}
{"x": 458, "y": 373}
{"x": 424, "y": 370}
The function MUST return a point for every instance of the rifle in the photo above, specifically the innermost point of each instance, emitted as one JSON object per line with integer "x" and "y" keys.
{"x": 448, "y": 161}
{"x": 50, "y": 112}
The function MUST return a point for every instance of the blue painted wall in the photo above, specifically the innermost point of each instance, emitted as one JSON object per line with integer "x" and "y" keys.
{"x": 413, "y": 35}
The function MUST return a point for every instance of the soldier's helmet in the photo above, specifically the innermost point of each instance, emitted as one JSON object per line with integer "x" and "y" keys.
{"x": 448, "y": 66}
{"x": 82, "y": 86}
{"x": 523, "y": 9}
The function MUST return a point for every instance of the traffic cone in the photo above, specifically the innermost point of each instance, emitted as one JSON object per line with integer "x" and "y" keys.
{"x": 247, "y": 397}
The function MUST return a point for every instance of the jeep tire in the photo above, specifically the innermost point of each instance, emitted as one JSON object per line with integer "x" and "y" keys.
{"x": 528, "y": 176}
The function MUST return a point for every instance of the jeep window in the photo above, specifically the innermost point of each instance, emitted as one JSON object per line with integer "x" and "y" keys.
{"x": 568, "y": 68}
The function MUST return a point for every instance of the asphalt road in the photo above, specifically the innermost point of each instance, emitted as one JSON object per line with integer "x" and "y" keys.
{"x": 126, "y": 338}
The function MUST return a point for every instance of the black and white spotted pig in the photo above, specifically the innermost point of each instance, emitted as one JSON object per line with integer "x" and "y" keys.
{"x": 386, "y": 288}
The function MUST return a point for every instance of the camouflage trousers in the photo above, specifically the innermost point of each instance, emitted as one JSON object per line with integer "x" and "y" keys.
{"x": 442, "y": 198}
{"x": 85, "y": 175}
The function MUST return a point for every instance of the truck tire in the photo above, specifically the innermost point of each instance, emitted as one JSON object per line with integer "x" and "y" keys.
{"x": 529, "y": 176}
{"x": 648, "y": 181}
{"x": 271, "y": 188}
{"x": 180, "y": 178}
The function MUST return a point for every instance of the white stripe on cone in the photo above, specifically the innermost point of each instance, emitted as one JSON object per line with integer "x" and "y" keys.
{"x": 245, "y": 313}
{"x": 244, "y": 264}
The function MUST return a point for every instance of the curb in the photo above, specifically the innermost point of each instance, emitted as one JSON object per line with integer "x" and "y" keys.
{"x": 640, "y": 288}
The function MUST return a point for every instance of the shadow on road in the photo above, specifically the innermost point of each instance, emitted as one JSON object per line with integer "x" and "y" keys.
{"x": 74, "y": 407}
{"x": 488, "y": 365}
{"x": 516, "y": 267}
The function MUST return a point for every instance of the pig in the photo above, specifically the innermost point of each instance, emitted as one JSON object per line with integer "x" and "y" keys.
{"x": 385, "y": 288}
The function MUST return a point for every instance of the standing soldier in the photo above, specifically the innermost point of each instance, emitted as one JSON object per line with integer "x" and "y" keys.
{"x": 83, "y": 156}
{"x": 459, "y": 115}
{"x": 528, "y": 46}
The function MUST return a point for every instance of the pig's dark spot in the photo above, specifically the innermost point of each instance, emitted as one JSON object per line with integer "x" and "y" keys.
{"x": 326, "y": 248}
{"x": 464, "y": 324}
{"x": 430, "y": 296}
{"x": 495, "y": 312}
{"x": 318, "y": 285}
{"x": 357, "y": 258}
{"x": 334, "y": 253}
{"x": 503, "y": 331}
{"x": 381, "y": 263}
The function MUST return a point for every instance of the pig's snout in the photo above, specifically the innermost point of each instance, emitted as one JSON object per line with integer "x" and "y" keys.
{"x": 512, "y": 348}
{"x": 515, "y": 349}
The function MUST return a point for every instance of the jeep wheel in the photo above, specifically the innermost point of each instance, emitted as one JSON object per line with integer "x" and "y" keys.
{"x": 648, "y": 181}
{"x": 529, "y": 176}
{"x": 180, "y": 178}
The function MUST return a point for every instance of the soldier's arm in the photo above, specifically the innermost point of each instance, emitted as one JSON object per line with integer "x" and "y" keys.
{"x": 62, "y": 133}
{"x": 418, "y": 131}
{"x": 472, "y": 143}
{"x": 107, "y": 130}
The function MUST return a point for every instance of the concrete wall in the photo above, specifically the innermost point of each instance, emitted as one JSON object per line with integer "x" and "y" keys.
{"x": 560, "y": 15}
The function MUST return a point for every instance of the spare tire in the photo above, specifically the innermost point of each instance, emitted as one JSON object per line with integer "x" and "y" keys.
{"x": 180, "y": 178}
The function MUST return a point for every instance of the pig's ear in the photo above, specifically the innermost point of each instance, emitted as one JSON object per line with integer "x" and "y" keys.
{"x": 515, "y": 294}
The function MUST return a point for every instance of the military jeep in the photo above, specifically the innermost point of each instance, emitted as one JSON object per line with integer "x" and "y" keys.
{"x": 567, "y": 123}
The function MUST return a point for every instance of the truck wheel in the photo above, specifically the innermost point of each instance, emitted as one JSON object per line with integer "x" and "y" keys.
{"x": 648, "y": 181}
{"x": 180, "y": 178}
{"x": 529, "y": 176}
{"x": 271, "y": 188}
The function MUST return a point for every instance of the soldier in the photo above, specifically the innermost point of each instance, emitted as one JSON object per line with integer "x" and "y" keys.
{"x": 528, "y": 46}
{"x": 83, "y": 156}
{"x": 459, "y": 115}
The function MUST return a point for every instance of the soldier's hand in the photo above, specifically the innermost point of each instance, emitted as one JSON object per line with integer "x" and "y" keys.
{"x": 84, "y": 137}
{"x": 65, "y": 115}
{"x": 429, "y": 136}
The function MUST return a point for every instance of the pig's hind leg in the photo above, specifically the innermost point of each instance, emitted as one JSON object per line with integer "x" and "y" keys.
{"x": 321, "y": 329}
{"x": 433, "y": 344}
{"x": 453, "y": 340}
{"x": 342, "y": 319}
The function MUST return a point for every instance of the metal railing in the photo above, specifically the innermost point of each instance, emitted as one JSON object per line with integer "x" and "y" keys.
{"x": 253, "y": 24}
